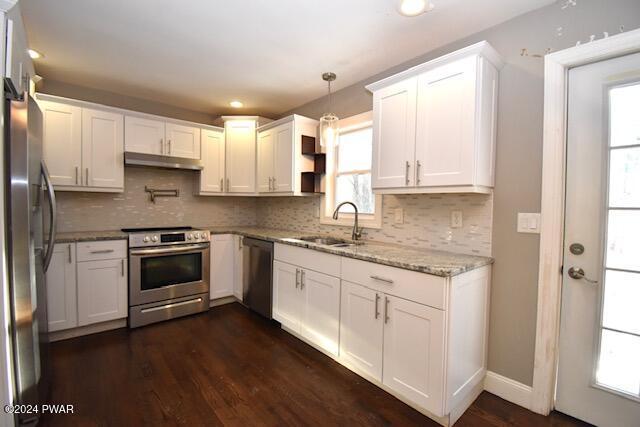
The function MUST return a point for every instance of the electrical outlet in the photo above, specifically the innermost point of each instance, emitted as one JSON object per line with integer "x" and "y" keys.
{"x": 528, "y": 223}
{"x": 398, "y": 216}
{"x": 456, "y": 219}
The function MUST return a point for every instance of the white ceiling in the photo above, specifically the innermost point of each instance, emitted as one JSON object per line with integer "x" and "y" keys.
{"x": 200, "y": 54}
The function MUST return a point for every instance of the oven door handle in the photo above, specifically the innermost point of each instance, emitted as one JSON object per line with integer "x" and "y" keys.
{"x": 171, "y": 250}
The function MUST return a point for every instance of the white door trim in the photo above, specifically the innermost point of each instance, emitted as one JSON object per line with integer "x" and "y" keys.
{"x": 556, "y": 66}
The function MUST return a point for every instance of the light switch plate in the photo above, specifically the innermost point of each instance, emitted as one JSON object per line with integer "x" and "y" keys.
{"x": 398, "y": 216}
{"x": 456, "y": 219}
{"x": 529, "y": 223}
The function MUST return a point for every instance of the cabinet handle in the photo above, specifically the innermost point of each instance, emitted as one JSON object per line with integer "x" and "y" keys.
{"x": 382, "y": 279}
{"x": 221, "y": 184}
{"x": 269, "y": 183}
{"x": 69, "y": 252}
{"x": 77, "y": 170}
{"x": 87, "y": 180}
{"x": 302, "y": 279}
{"x": 161, "y": 145}
{"x": 240, "y": 242}
{"x": 297, "y": 277}
{"x": 169, "y": 146}
{"x": 102, "y": 251}
{"x": 376, "y": 313}
{"x": 418, "y": 172}
{"x": 386, "y": 309}
{"x": 228, "y": 185}
{"x": 273, "y": 180}
{"x": 122, "y": 267}
{"x": 406, "y": 173}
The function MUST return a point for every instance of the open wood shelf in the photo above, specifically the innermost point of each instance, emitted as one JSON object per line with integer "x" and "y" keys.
{"x": 311, "y": 182}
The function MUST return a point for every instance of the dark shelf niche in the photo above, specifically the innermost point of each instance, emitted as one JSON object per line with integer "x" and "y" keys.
{"x": 311, "y": 182}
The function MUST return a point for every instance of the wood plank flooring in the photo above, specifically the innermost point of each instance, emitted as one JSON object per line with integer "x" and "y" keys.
{"x": 231, "y": 367}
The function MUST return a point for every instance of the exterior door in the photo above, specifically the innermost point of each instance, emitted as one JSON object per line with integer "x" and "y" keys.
{"x": 265, "y": 160}
{"x": 445, "y": 131}
{"x": 182, "y": 141}
{"x": 144, "y": 135}
{"x": 414, "y": 352}
{"x": 102, "y": 149}
{"x": 321, "y": 318}
{"x": 102, "y": 291}
{"x": 599, "y": 368}
{"x": 62, "y": 142}
{"x": 287, "y": 297}
{"x": 394, "y": 135}
{"x": 241, "y": 156}
{"x": 61, "y": 288}
{"x": 222, "y": 266}
{"x": 283, "y": 159}
{"x": 361, "y": 326}
{"x": 212, "y": 175}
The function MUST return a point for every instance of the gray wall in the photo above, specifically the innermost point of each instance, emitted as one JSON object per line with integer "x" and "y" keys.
{"x": 519, "y": 153}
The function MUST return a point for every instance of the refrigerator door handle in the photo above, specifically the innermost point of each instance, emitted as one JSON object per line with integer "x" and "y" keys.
{"x": 54, "y": 215}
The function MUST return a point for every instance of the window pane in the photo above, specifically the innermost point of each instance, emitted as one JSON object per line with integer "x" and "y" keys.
{"x": 621, "y": 299}
{"x": 625, "y": 120}
{"x": 354, "y": 150}
{"x": 624, "y": 185}
{"x": 623, "y": 240}
{"x": 618, "y": 367}
{"x": 357, "y": 189}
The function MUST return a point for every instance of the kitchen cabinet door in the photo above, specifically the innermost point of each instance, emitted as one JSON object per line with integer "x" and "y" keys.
{"x": 394, "y": 135}
{"x": 321, "y": 317}
{"x": 182, "y": 141}
{"x": 287, "y": 296}
{"x": 213, "y": 152}
{"x": 102, "y": 291}
{"x": 62, "y": 142}
{"x": 265, "y": 161}
{"x": 223, "y": 250}
{"x": 361, "y": 326}
{"x": 283, "y": 158}
{"x": 61, "y": 288}
{"x": 445, "y": 127}
{"x": 102, "y": 149}
{"x": 240, "y": 136}
{"x": 413, "y": 357}
{"x": 239, "y": 268}
{"x": 143, "y": 135}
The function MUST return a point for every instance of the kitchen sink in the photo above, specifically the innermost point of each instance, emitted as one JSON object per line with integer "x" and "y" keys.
{"x": 330, "y": 241}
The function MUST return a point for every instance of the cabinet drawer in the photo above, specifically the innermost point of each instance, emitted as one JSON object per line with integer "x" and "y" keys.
{"x": 105, "y": 249}
{"x": 308, "y": 258}
{"x": 419, "y": 287}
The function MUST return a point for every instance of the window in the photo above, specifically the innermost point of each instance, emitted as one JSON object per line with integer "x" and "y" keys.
{"x": 349, "y": 174}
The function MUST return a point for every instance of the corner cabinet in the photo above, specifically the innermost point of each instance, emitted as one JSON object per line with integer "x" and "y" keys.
{"x": 240, "y": 152}
{"x": 434, "y": 125}
{"x": 83, "y": 147}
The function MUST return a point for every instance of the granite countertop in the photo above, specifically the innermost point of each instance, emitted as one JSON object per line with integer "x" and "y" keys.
{"x": 439, "y": 263}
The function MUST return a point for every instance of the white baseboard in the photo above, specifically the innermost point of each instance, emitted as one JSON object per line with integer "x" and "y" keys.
{"x": 508, "y": 389}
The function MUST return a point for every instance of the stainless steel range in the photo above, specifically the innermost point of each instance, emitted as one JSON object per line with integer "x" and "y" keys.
{"x": 168, "y": 273}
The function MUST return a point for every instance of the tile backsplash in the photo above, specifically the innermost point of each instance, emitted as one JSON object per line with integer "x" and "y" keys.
{"x": 426, "y": 220}
{"x": 79, "y": 211}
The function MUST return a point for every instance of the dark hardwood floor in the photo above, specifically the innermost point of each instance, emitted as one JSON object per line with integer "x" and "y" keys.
{"x": 231, "y": 367}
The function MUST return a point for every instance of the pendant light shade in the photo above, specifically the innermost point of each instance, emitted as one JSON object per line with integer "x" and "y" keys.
{"x": 328, "y": 121}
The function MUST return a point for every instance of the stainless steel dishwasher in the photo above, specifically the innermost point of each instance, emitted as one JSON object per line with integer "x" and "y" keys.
{"x": 257, "y": 275}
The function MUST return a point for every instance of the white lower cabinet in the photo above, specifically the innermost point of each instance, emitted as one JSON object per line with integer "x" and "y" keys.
{"x": 238, "y": 265}
{"x": 62, "y": 310}
{"x": 223, "y": 252}
{"x": 102, "y": 291}
{"x": 287, "y": 298}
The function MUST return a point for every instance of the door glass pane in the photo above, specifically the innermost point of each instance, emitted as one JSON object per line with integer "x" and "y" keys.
{"x": 623, "y": 240}
{"x": 159, "y": 271}
{"x": 619, "y": 368}
{"x": 622, "y": 301}
{"x": 624, "y": 118}
{"x": 354, "y": 150}
{"x": 355, "y": 188}
{"x": 624, "y": 181}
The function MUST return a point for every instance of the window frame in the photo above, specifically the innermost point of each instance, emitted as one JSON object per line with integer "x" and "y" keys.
{"x": 327, "y": 204}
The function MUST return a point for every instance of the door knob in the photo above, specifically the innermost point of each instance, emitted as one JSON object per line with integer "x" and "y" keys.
{"x": 578, "y": 273}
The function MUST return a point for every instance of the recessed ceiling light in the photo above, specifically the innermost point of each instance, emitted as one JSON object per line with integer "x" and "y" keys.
{"x": 34, "y": 54}
{"x": 414, "y": 7}
{"x": 236, "y": 104}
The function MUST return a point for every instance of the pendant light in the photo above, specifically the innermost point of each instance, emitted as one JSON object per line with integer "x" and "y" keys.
{"x": 328, "y": 121}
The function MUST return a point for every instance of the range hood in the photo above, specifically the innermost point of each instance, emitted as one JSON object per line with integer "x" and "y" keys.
{"x": 158, "y": 161}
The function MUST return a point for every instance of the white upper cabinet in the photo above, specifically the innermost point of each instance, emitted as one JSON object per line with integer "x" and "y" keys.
{"x": 83, "y": 147}
{"x": 182, "y": 141}
{"x": 62, "y": 142}
{"x": 213, "y": 156}
{"x": 143, "y": 135}
{"x": 283, "y": 169}
{"x": 265, "y": 161}
{"x": 434, "y": 125}
{"x": 240, "y": 137}
{"x": 103, "y": 148}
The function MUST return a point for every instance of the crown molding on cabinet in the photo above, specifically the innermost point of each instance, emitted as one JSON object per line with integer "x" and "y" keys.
{"x": 287, "y": 119}
{"x": 6, "y": 5}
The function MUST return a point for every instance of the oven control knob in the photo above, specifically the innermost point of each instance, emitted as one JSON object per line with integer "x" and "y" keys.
{"x": 154, "y": 238}
{"x": 189, "y": 236}
{"x": 196, "y": 236}
{"x": 146, "y": 239}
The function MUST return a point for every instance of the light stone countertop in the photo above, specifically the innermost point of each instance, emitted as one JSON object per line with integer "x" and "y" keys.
{"x": 439, "y": 263}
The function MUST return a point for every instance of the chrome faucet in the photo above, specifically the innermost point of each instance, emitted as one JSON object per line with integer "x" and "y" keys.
{"x": 357, "y": 232}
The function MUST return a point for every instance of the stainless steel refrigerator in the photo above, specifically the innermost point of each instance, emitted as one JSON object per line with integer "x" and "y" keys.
{"x": 28, "y": 191}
